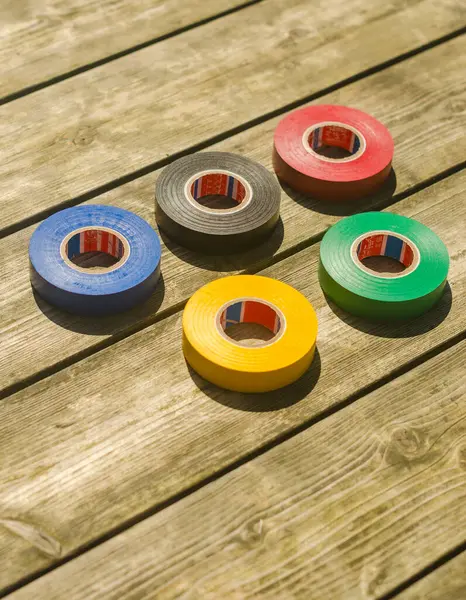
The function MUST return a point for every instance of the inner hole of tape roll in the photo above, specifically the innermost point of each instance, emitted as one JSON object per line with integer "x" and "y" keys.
{"x": 385, "y": 253}
{"x": 218, "y": 190}
{"x": 95, "y": 248}
{"x": 250, "y": 322}
{"x": 334, "y": 141}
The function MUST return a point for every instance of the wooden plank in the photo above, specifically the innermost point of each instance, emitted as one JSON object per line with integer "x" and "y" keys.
{"x": 412, "y": 98}
{"x": 110, "y": 437}
{"x": 64, "y": 141}
{"x": 446, "y": 583}
{"x": 347, "y": 509}
{"x": 43, "y": 40}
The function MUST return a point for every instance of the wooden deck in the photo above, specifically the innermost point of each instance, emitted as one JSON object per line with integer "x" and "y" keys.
{"x": 125, "y": 476}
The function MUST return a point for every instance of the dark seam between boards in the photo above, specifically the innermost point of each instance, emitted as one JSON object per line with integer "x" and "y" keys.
{"x": 103, "y": 61}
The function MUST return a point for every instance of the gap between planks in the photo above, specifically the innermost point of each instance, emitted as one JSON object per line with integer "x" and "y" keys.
{"x": 121, "y": 53}
{"x": 444, "y": 579}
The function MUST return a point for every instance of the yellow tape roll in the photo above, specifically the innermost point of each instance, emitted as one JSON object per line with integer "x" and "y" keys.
{"x": 249, "y": 299}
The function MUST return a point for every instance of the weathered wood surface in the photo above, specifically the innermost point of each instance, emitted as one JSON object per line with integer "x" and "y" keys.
{"x": 445, "y": 583}
{"x": 84, "y": 132}
{"x": 347, "y": 509}
{"x": 414, "y": 99}
{"x": 44, "y": 39}
{"x": 116, "y": 434}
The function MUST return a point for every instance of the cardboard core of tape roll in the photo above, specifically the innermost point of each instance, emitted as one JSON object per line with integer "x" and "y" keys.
{"x": 95, "y": 239}
{"x": 251, "y": 311}
{"x": 327, "y": 136}
{"x": 385, "y": 244}
{"x": 224, "y": 184}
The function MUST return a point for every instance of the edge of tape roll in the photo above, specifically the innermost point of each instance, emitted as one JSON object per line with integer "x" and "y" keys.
{"x": 383, "y": 296}
{"x": 74, "y": 231}
{"x": 255, "y": 194}
{"x": 300, "y": 137}
{"x": 251, "y": 299}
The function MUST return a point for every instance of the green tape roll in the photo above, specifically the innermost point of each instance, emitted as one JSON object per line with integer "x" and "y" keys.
{"x": 353, "y": 286}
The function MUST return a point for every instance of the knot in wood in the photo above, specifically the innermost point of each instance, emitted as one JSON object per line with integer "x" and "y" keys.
{"x": 405, "y": 445}
{"x": 253, "y": 533}
{"x": 408, "y": 441}
{"x": 461, "y": 456}
{"x": 456, "y": 105}
{"x": 84, "y": 136}
{"x": 35, "y": 535}
{"x": 299, "y": 33}
{"x": 371, "y": 579}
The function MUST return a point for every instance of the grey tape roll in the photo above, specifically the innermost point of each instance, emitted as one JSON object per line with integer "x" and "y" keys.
{"x": 255, "y": 195}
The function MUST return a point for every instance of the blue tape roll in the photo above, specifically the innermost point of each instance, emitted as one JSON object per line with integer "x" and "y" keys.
{"x": 73, "y": 231}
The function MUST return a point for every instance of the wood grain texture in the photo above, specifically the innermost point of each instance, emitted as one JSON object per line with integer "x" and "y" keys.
{"x": 64, "y": 141}
{"x": 110, "y": 437}
{"x": 445, "y": 583}
{"x": 347, "y": 509}
{"x": 43, "y": 39}
{"x": 415, "y": 99}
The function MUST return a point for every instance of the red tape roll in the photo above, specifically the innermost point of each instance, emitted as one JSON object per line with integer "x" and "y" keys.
{"x": 305, "y": 139}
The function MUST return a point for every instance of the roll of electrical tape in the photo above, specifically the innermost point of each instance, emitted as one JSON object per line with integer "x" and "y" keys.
{"x": 302, "y": 137}
{"x": 249, "y": 299}
{"x": 185, "y": 185}
{"x": 127, "y": 238}
{"x": 348, "y": 281}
